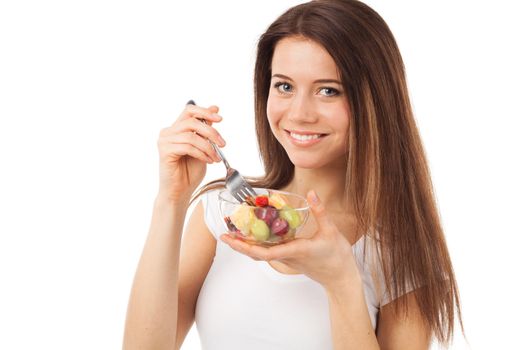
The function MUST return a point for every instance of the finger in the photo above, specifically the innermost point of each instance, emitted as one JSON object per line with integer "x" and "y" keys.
{"x": 192, "y": 111}
{"x": 183, "y": 149}
{"x": 319, "y": 211}
{"x": 201, "y": 129}
{"x": 283, "y": 251}
{"x": 244, "y": 248}
{"x": 196, "y": 140}
{"x": 214, "y": 110}
{"x": 286, "y": 251}
{"x": 193, "y": 125}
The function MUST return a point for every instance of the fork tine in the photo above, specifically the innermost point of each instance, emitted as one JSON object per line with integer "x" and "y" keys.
{"x": 247, "y": 196}
{"x": 243, "y": 193}
{"x": 249, "y": 191}
{"x": 239, "y": 196}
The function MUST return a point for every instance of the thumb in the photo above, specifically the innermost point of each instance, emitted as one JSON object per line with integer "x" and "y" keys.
{"x": 319, "y": 211}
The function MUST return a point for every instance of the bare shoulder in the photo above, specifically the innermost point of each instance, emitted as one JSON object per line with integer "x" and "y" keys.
{"x": 197, "y": 238}
{"x": 402, "y": 330}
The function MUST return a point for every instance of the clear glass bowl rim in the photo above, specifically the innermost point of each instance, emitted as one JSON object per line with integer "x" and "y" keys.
{"x": 290, "y": 194}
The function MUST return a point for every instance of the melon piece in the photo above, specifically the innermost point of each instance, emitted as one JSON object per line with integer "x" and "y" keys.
{"x": 276, "y": 200}
{"x": 242, "y": 218}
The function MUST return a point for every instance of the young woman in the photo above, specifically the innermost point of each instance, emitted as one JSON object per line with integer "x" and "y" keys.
{"x": 334, "y": 123}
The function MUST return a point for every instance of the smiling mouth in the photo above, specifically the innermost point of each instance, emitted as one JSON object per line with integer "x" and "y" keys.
{"x": 305, "y": 136}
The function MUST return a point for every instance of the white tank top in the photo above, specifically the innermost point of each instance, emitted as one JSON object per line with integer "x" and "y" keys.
{"x": 246, "y": 304}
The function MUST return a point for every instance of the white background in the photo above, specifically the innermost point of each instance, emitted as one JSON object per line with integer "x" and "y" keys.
{"x": 86, "y": 86}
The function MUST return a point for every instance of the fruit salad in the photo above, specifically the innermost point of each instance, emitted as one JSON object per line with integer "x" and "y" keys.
{"x": 270, "y": 221}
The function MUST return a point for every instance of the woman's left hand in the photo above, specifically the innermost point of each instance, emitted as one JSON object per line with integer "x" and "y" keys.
{"x": 326, "y": 257}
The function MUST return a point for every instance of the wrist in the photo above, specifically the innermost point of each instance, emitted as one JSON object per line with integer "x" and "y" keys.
{"x": 164, "y": 199}
{"x": 177, "y": 208}
{"x": 168, "y": 218}
{"x": 349, "y": 282}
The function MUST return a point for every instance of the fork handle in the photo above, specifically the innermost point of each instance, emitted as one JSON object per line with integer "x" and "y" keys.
{"x": 216, "y": 148}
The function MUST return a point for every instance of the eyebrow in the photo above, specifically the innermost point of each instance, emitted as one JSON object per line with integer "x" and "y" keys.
{"x": 318, "y": 81}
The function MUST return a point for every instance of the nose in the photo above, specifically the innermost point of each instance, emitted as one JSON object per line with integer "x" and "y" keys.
{"x": 301, "y": 111}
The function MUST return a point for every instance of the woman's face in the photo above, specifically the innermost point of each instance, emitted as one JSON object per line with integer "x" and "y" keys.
{"x": 307, "y": 109}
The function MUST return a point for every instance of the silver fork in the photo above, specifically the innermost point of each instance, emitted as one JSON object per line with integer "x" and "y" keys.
{"x": 234, "y": 182}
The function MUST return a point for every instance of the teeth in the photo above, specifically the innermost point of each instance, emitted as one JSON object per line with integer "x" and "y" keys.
{"x": 305, "y": 137}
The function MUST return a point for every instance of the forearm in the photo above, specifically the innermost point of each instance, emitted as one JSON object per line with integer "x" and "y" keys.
{"x": 153, "y": 306}
{"x": 350, "y": 322}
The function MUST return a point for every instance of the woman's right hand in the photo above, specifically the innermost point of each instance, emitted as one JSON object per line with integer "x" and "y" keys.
{"x": 184, "y": 151}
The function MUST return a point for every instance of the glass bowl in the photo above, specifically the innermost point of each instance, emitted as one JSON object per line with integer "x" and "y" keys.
{"x": 276, "y": 218}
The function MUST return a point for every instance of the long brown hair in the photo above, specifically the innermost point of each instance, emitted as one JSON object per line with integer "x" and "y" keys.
{"x": 388, "y": 181}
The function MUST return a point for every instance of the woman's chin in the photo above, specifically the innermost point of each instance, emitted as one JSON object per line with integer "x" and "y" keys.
{"x": 306, "y": 163}
{"x": 313, "y": 162}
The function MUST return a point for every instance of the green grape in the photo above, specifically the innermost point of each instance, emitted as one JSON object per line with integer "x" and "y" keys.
{"x": 260, "y": 230}
{"x": 291, "y": 216}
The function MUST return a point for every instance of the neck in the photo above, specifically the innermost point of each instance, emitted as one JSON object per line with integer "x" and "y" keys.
{"x": 328, "y": 182}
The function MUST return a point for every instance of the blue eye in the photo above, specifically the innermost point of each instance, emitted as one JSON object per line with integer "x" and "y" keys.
{"x": 283, "y": 87}
{"x": 329, "y": 92}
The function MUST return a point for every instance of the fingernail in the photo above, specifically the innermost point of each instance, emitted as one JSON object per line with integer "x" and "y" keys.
{"x": 216, "y": 116}
{"x": 314, "y": 198}
{"x": 221, "y": 141}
